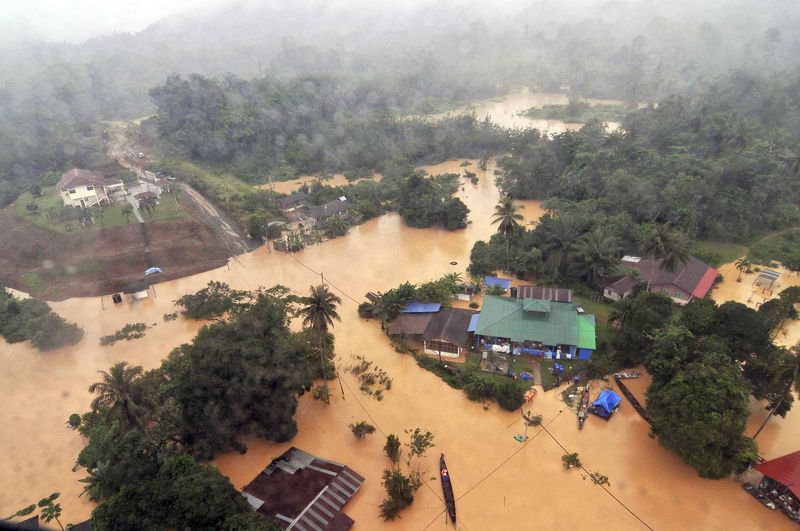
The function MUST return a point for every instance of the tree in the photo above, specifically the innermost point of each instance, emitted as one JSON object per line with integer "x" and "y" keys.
{"x": 595, "y": 256}
{"x": 743, "y": 265}
{"x": 646, "y": 313}
{"x": 788, "y": 372}
{"x": 319, "y": 312}
{"x": 148, "y": 205}
{"x": 571, "y": 460}
{"x": 700, "y": 414}
{"x": 119, "y": 393}
{"x": 214, "y": 301}
{"x": 667, "y": 245}
{"x": 294, "y": 241}
{"x": 399, "y": 491}
{"x": 559, "y": 236}
{"x": 392, "y": 448}
{"x": 49, "y": 510}
{"x": 362, "y": 429}
{"x": 127, "y": 210}
{"x": 507, "y": 218}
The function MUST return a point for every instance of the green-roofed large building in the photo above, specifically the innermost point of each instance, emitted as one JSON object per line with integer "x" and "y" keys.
{"x": 533, "y": 326}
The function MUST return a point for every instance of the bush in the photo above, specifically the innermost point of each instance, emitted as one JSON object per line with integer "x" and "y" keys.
{"x": 571, "y": 460}
{"x": 474, "y": 305}
{"x": 362, "y": 429}
{"x": 127, "y": 332}
{"x": 392, "y": 448}
{"x": 33, "y": 320}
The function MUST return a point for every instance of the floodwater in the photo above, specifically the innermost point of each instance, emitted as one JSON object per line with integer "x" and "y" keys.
{"x": 287, "y": 187}
{"x": 499, "y": 483}
{"x": 505, "y": 111}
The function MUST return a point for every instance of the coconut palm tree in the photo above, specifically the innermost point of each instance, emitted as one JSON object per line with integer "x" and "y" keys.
{"x": 666, "y": 245}
{"x": 560, "y": 234}
{"x": 595, "y": 256}
{"x": 319, "y": 312}
{"x": 793, "y": 368}
{"x": 118, "y": 391}
{"x": 621, "y": 312}
{"x": 743, "y": 265}
{"x": 507, "y": 219}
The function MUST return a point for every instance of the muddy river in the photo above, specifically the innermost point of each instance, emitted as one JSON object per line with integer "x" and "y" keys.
{"x": 499, "y": 482}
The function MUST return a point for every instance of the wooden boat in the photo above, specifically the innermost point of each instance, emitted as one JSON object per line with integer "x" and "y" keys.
{"x": 627, "y": 375}
{"x": 447, "y": 489}
{"x": 582, "y": 406}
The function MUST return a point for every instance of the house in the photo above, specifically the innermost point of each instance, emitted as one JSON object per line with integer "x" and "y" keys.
{"x": 618, "y": 288}
{"x": 539, "y": 327}
{"x": 86, "y": 188}
{"x": 781, "y": 483}
{"x": 690, "y": 280}
{"x": 543, "y": 293}
{"x": 337, "y": 207}
{"x": 410, "y": 325}
{"x": 292, "y": 202}
{"x": 465, "y": 292}
{"x": 447, "y": 333}
{"x": 301, "y": 491}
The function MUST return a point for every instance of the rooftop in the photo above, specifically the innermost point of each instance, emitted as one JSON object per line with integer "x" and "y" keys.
{"x": 331, "y": 208}
{"x": 79, "y": 177}
{"x": 785, "y": 470}
{"x": 695, "y": 276}
{"x": 410, "y": 324}
{"x": 451, "y": 325}
{"x": 526, "y": 320}
{"x": 544, "y": 293}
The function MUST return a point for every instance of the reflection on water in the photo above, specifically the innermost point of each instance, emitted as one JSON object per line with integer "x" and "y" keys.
{"x": 499, "y": 483}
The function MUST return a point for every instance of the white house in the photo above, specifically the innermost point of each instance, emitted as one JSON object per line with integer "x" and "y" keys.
{"x": 86, "y": 188}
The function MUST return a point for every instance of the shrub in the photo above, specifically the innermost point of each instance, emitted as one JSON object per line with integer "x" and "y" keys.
{"x": 362, "y": 429}
{"x": 392, "y": 448}
{"x": 127, "y": 332}
{"x": 571, "y": 460}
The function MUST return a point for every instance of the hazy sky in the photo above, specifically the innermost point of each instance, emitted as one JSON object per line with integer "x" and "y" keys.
{"x": 78, "y": 20}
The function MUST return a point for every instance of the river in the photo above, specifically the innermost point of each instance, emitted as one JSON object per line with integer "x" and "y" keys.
{"x": 499, "y": 483}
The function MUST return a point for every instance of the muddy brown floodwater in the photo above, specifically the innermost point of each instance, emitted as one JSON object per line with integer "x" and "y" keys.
{"x": 499, "y": 483}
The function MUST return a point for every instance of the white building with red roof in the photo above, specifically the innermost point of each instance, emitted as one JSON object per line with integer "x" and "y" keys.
{"x": 86, "y": 188}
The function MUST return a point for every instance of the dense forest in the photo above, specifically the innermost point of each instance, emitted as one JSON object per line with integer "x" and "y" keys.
{"x": 427, "y": 57}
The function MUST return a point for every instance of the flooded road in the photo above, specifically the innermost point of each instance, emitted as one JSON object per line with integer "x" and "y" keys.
{"x": 505, "y": 111}
{"x": 498, "y": 482}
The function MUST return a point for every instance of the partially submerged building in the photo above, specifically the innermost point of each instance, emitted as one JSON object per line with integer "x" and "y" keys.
{"x": 303, "y": 492}
{"x": 292, "y": 202}
{"x": 337, "y": 207}
{"x": 690, "y": 280}
{"x": 443, "y": 333}
{"x": 781, "y": 483}
{"x": 539, "y": 327}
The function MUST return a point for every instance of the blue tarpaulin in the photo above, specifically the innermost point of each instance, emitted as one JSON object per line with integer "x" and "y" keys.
{"x": 152, "y": 270}
{"x": 504, "y": 283}
{"x": 473, "y": 322}
{"x": 608, "y": 400}
{"x": 422, "y": 307}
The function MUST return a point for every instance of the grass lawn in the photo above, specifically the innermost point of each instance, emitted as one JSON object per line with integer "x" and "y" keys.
{"x": 107, "y": 217}
{"x": 600, "y": 310}
{"x": 571, "y": 368}
{"x": 717, "y": 253}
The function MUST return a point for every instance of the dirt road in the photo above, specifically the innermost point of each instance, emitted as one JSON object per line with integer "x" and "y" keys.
{"x": 203, "y": 209}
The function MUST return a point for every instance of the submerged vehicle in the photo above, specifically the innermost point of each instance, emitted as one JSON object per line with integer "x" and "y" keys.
{"x": 447, "y": 489}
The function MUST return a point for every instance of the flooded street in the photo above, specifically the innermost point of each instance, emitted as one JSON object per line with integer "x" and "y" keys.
{"x": 505, "y": 111}
{"x": 498, "y": 482}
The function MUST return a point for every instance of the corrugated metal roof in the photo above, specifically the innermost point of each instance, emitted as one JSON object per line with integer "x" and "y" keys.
{"x": 587, "y": 336}
{"x": 451, "y": 325}
{"x": 785, "y": 470}
{"x": 496, "y": 281}
{"x": 533, "y": 305}
{"x": 544, "y": 293}
{"x": 422, "y": 307}
{"x": 504, "y": 317}
{"x": 410, "y": 324}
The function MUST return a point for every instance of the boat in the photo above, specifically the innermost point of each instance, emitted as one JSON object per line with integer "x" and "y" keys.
{"x": 447, "y": 489}
{"x": 627, "y": 375}
{"x": 584, "y": 403}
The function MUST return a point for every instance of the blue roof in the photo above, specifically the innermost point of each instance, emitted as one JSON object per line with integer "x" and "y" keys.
{"x": 473, "y": 322}
{"x": 422, "y": 307}
{"x": 504, "y": 283}
{"x": 608, "y": 400}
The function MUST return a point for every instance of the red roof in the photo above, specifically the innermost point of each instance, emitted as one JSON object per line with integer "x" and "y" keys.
{"x": 78, "y": 177}
{"x": 705, "y": 283}
{"x": 694, "y": 277}
{"x": 785, "y": 470}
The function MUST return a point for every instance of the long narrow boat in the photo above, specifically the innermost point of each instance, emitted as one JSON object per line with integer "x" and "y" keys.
{"x": 447, "y": 489}
{"x": 584, "y": 404}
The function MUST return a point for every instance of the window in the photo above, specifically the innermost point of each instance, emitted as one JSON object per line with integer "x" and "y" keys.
{"x": 72, "y": 190}
{"x": 441, "y": 346}
{"x": 90, "y": 187}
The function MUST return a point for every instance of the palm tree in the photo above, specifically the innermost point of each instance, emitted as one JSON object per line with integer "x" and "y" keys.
{"x": 118, "y": 391}
{"x": 319, "y": 312}
{"x": 668, "y": 247}
{"x": 793, "y": 368}
{"x": 507, "y": 219}
{"x": 621, "y": 312}
{"x": 126, "y": 212}
{"x": 560, "y": 235}
{"x": 595, "y": 256}
{"x": 743, "y": 265}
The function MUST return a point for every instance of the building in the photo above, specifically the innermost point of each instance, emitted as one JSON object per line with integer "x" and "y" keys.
{"x": 539, "y": 327}
{"x": 410, "y": 325}
{"x": 781, "y": 483}
{"x": 304, "y": 492}
{"x": 292, "y": 202}
{"x": 337, "y": 207}
{"x": 543, "y": 293}
{"x": 86, "y": 188}
{"x": 502, "y": 283}
{"x": 447, "y": 333}
{"x": 690, "y": 280}
{"x": 619, "y": 288}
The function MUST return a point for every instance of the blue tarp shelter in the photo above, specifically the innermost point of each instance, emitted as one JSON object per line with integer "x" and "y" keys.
{"x": 504, "y": 283}
{"x": 422, "y": 307}
{"x": 608, "y": 400}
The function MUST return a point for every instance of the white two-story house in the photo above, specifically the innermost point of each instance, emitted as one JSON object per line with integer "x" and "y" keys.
{"x": 86, "y": 188}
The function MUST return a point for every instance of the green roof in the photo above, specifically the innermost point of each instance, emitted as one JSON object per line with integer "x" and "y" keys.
{"x": 547, "y": 322}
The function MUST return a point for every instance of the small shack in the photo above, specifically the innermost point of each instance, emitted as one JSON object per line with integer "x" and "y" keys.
{"x": 606, "y": 404}
{"x": 502, "y": 283}
{"x": 292, "y": 202}
{"x": 766, "y": 279}
{"x": 302, "y": 491}
{"x": 137, "y": 290}
{"x": 781, "y": 483}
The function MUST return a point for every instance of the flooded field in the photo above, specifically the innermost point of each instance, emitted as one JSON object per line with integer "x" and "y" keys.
{"x": 506, "y": 110}
{"x": 499, "y": 483}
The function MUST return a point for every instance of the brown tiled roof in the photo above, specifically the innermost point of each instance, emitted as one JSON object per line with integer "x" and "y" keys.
{"x": 450, "y": 325}
{"x": 689, "y": 277}
{"x": 78, "y": 177}
{"x": 623, "y": 284}
{"x": 544, "y": 293}
{"x": 410, "y": 324}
